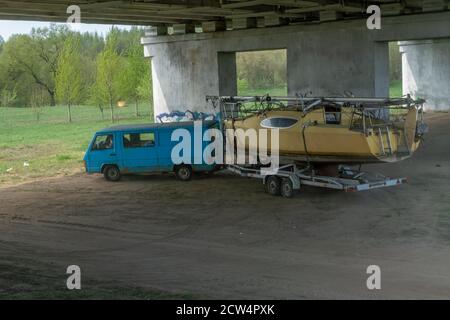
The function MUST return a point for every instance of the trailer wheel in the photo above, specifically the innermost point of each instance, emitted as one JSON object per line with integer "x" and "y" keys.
{"x": 111, "y": 173}
{"x": 273, "y": 185}
{"x": 183, "y": 172}
{"x": 287, "y": 189}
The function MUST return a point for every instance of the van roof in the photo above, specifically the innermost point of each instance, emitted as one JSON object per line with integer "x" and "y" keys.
{"x": 144, "y": 126}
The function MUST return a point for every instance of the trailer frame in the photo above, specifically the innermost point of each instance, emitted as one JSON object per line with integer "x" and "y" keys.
{"x": 291, "y": 177}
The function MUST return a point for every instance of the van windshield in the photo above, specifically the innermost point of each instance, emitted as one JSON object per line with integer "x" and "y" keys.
{"x": 103, "y": 142}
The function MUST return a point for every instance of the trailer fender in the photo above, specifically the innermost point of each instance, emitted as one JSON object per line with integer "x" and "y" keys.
{"x": 295, "y": 181}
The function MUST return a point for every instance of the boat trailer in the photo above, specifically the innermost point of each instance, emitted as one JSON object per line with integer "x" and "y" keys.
{"x": 288, "y": 179}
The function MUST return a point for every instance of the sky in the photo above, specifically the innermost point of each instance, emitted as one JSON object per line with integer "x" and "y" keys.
{"x": 8, "y": 28}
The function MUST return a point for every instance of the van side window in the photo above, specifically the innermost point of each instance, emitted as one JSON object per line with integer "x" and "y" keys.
{"x": 103, "y": 142}
{"x": 332, "y": 115}
{"x": 139, "y": 140}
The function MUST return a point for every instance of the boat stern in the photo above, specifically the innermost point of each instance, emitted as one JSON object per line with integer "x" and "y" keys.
{"x": 398, "y": 138}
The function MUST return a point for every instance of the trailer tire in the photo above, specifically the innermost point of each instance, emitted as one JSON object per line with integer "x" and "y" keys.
{"x": 183, "y": 172}
{"x": 112, "y": 173}
{"x": 287, "y": 188}
{"x": 273, "y": 185}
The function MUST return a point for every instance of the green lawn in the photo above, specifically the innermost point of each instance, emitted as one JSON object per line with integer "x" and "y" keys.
{"x": 51, "y": 146}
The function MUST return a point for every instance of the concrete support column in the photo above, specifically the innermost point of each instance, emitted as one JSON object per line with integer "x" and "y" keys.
{"x": 426, "y": 71}
{"x": 183, "y": 74}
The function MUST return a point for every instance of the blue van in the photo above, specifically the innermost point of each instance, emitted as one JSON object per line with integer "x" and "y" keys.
{"x": 142, "y": 148}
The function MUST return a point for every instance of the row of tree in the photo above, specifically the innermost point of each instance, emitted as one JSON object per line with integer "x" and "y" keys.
{"x": 58, "y": 66}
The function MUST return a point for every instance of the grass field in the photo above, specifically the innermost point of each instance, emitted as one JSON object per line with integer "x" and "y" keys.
{"x": 51, "y": 146}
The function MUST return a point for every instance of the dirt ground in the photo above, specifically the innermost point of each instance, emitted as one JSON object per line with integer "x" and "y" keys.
{"x": 223, "y": 237}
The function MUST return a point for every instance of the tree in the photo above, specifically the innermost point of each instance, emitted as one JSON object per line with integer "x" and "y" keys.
{"x": 47, "y": 44}
{"x": 136, "y": 69}
{"x": 22, "y": 64}
{"x": 3, "y": 68}
{"x": 2, "y": 42}
{"x": 36, "y": 102}
{"x": 145, "y": 88}
{"x": 108, "y": 79}
{"x": 29, "y": 62}
{"x": 33, "y": 58}
{"x": 68, "y": 79}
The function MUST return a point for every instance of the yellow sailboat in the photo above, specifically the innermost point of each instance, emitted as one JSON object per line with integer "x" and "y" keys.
{"x": 333, "y": 130}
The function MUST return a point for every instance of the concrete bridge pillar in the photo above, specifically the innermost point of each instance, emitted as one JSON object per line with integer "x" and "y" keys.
{"x": 426, "y": 71}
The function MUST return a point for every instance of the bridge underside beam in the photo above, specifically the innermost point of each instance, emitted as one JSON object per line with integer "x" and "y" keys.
{"x": 169, "y": 12}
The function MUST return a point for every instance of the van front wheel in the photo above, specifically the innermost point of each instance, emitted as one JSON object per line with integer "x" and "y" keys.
{"x": 111, "y": 173}
{"x": 183, "y": 172}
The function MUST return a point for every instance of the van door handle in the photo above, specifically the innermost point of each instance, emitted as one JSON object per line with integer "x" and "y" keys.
{"x": 112, "y": 154}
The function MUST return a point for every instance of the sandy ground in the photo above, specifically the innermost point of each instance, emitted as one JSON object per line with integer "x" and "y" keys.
{"x": 223, "y": 237}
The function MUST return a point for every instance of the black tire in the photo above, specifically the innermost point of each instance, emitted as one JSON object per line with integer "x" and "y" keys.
{"x": 112, "y": 173}
{"x": 183, "y": 172}
{"x": 287, "y": 189}
{"x": 273, "y": 185}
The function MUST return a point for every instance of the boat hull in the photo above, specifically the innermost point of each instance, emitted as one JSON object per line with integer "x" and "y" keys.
{"x": 312, "y": 139}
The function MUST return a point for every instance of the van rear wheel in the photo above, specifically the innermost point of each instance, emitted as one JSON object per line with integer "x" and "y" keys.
{"x": 183, "y": 172}
{"x": 111, "y": 173}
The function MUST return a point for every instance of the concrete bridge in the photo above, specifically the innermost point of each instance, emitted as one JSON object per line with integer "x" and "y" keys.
{"x": 327, "y": 59}
{"x": 193, "y": 43}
